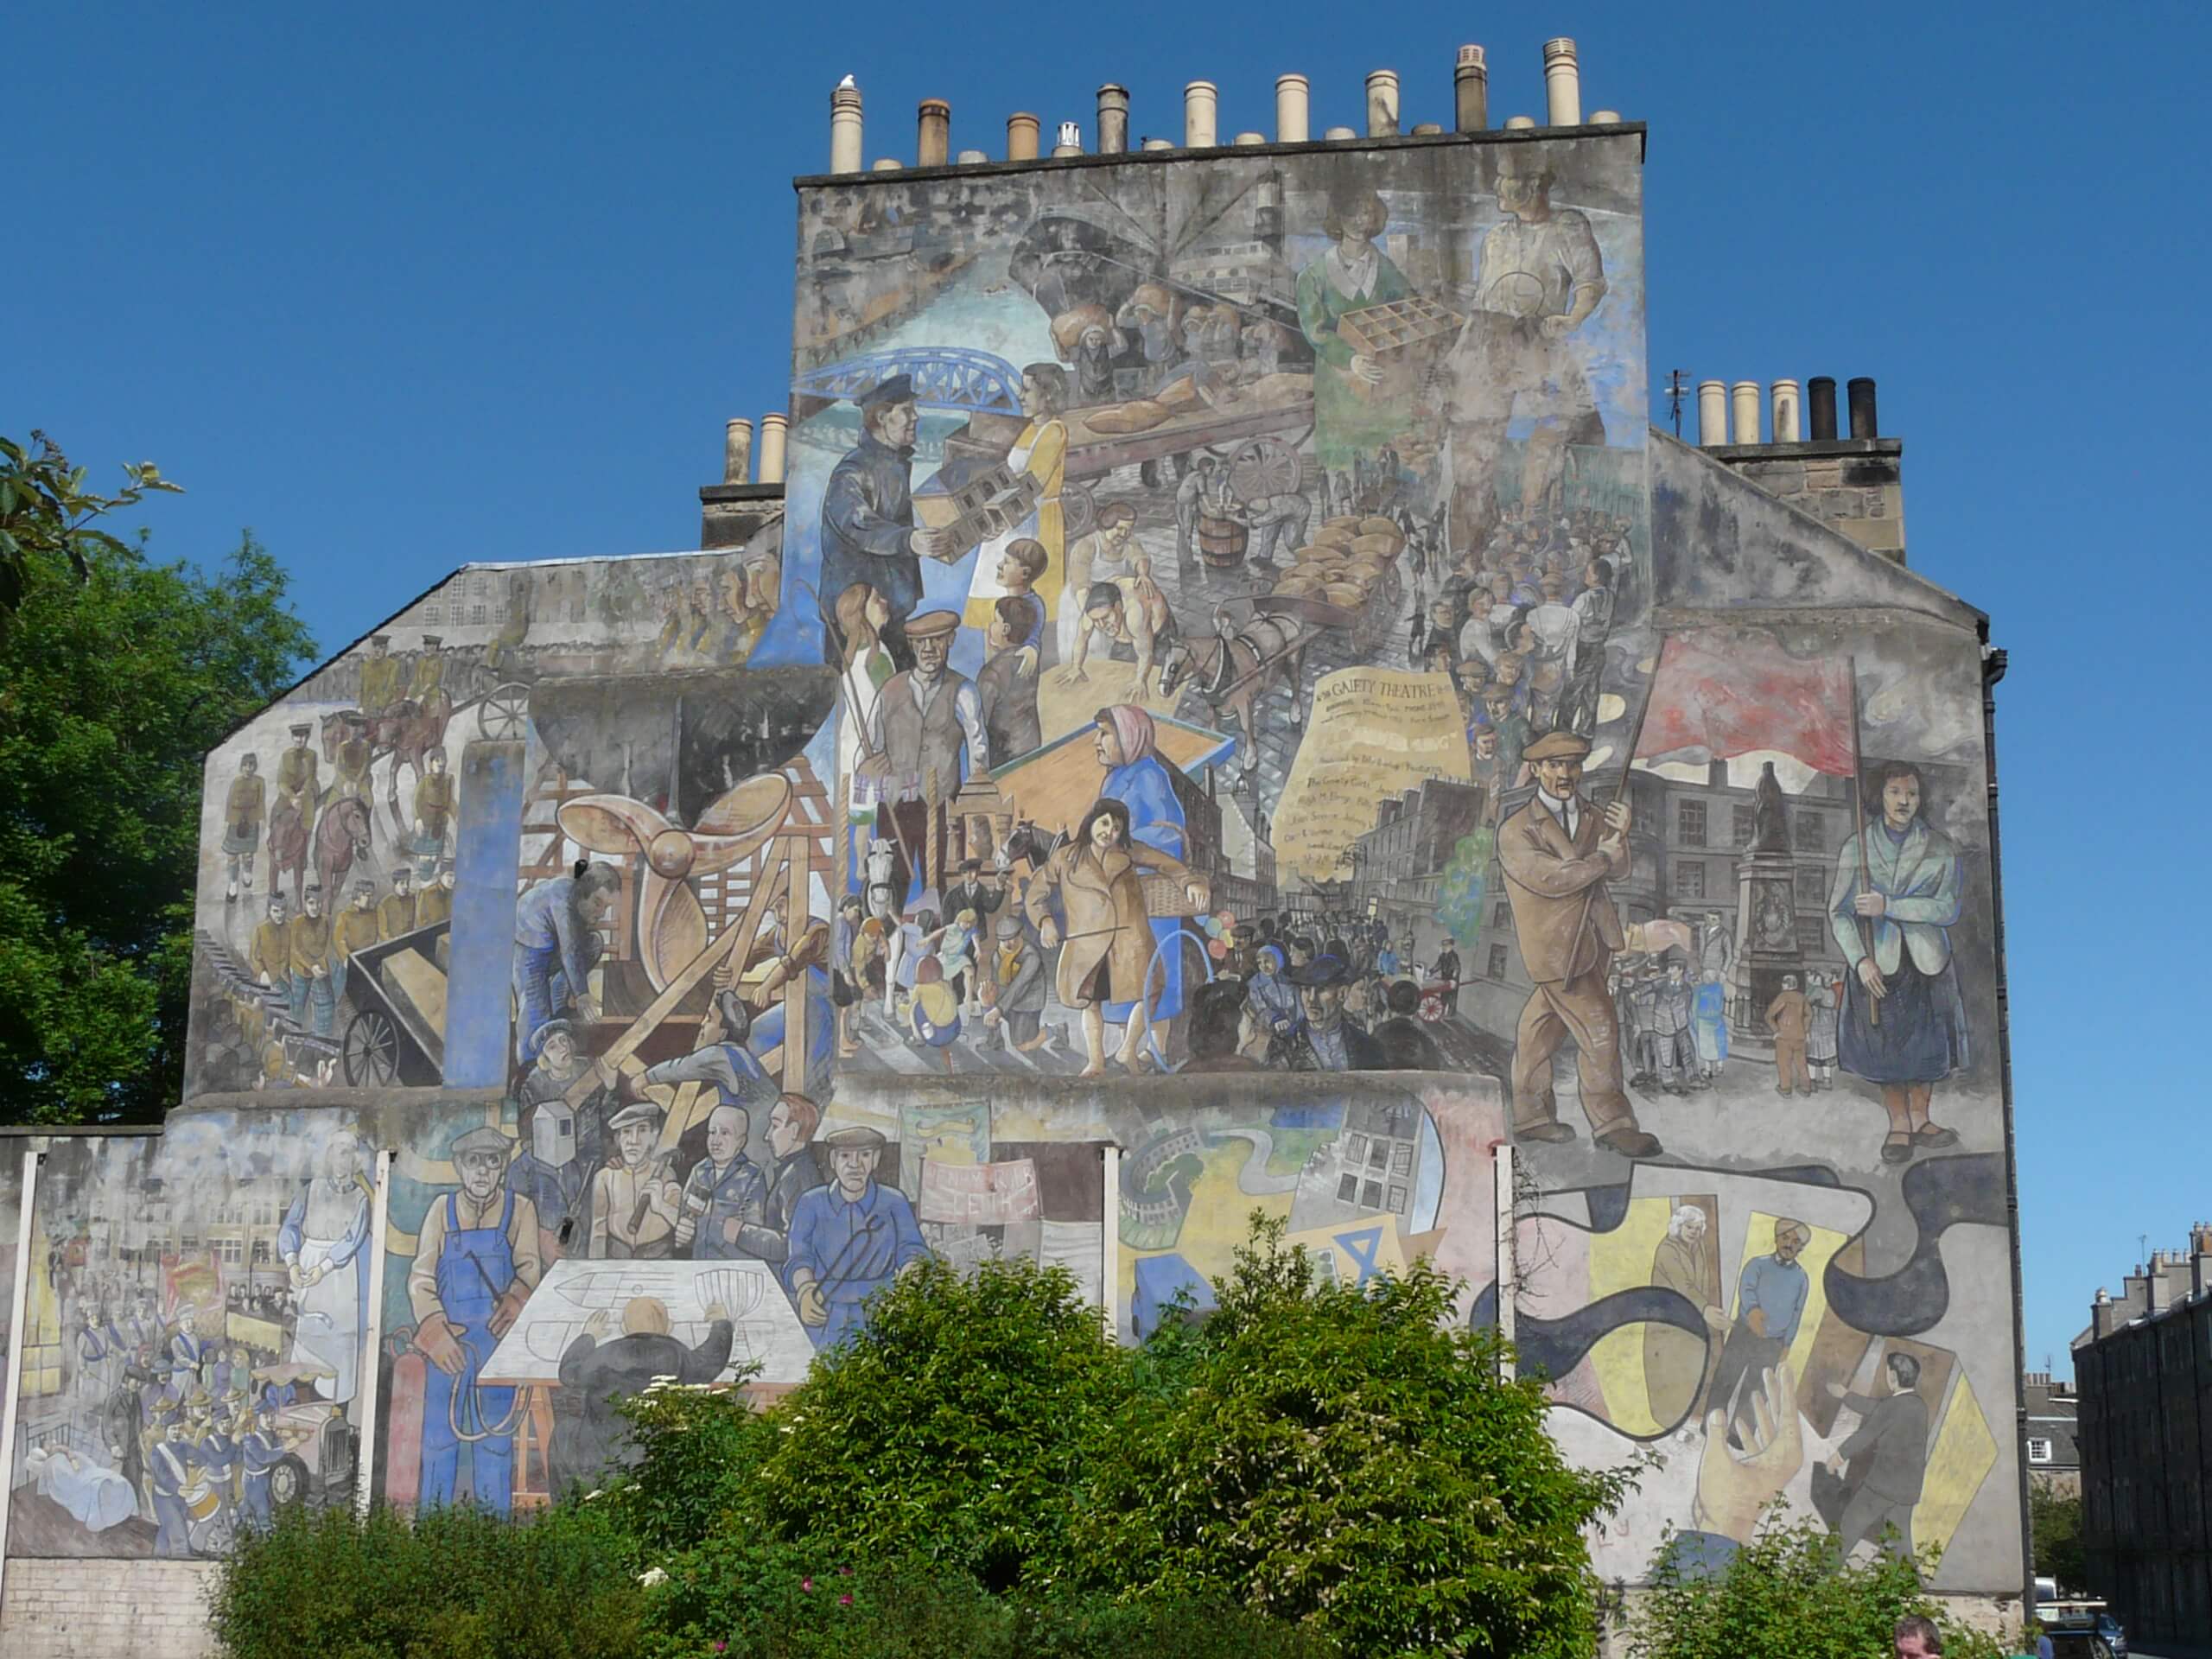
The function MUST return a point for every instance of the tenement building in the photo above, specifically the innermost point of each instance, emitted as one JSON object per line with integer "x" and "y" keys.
{"x": 1211, "y": 697}
{"x": 2143, "y": 1371}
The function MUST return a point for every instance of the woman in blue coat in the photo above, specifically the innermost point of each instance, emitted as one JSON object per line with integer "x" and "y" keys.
{"x": 1137, "y": 777}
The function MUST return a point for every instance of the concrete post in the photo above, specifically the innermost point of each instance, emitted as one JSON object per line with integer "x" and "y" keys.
{"x": 737, "y": 452}
{"x": 1782, "y": 405}
{"x": 1294, "y": 96}
{"x": 933, "y": 134}
{"x": 1113, "y": 119}
{"x": 845, "y": 130}
{"x": 1021, "y": 136}
{"x": 1712, "y": 413}
{"x": 1744, "y": 395}
{"x": 1383, "y": 104}
{"x": 1201, "y": 109}
{"x": 1562, "y": 83}
{"x": 1471, "y": 90}
{"x": 771, "y": 447}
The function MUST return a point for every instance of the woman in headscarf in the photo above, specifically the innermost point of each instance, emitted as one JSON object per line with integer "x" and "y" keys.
{"x": 1127, "y": 743}
{"x": 1355, "y": 409}
{"x": 321, "y": 1242}
{"x": 1107, "y": 960}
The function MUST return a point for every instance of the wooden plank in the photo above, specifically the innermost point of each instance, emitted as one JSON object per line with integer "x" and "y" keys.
{"x": 800, "y": 917}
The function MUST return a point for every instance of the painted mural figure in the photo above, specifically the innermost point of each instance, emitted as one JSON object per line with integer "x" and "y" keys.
{"x": 868, "y": 519}
{"x": 1822, "y": 995}
{"x": 1893, "y": 927}
{"x": 322, "y": 1242}
{"x": 476, "y": 1261}
{"x": 926, "y": 735}
{"x": 724, "y": 1193}
{"x": 599, "y": 1369}
{"x": 794, "y": 1173}
{"x": 848, "y": 1239}
{"x": 381, "y": 680}
{"x": 1556, "y": 855}
{"x": 1877, "y": 1476}
{"x": 1676, "y": 1361}
{"x": 1789, "y": 1018}
{"x": 1039, "y": 452}
{"x": 243, "y": 810}
{"x": 1356, "y": 414}
{"x": 635, "y": 1205}
{"x": 1770, "y": 1296}
{"x": 314, "y": 991}
{"x": 556, "y": 946}
{"x": 434, "y": 805}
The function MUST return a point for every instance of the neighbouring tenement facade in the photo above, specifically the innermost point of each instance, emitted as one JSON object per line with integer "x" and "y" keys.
{"x": 1220, "y": 701}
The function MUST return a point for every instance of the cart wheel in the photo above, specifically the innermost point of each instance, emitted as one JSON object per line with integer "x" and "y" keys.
{"x": 1078, "y": 511}
{"x": 1264, "y": 466}
{"x": 371, "y": 1051}
{"x": 504, "y": 711}
{"x": 288, "y": 1482}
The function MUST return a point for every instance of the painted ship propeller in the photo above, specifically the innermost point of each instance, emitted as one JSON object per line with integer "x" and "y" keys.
{"x": 671, "y": 922}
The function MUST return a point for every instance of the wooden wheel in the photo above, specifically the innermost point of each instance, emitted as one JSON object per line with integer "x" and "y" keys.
{"x": 1078, "y": 511}
{"x": 370, "y": 1054}
{"x": 1265, "y": 466}
{"x": 504, "y": 712}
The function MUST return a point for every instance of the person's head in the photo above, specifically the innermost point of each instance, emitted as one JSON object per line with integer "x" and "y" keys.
{"x": 1103, "y": 605}
{"x": 312, "y": 902}
{"x": 446, "y": 877}
{"x": 1402, "y": 996}
{"x": 791, "y": 1123}
{"x": 1789, "y": 1238}
{"x": 1022, "y": 563}
{"x": 1904, "y": 1372}
{"x": 1301, "y": 950}
{"x": 479, "y": 1158}
{"x": 1673, "y": 973}
{"x": 1324, "y": 1001}
{"x": 1901, "y": 794}
{"x": 644, "y": 1316}
{"x": 1556, "y": 759}
{"x": 249, "y": 762}
{"x": 364, "y": 894}
{"x": 1916, "y": 1637}
{"x": 1117, "y": 522}
{"x": 1790, "y": 982}
{"x": 379, "y": 646}
{"x": 1009, "y": 621}
{"x": 596, "y": 885}
{"x": 853, "y": 1157}
{"x": 930, "y": 636}
{"x": 1043, "y": 390}
{"x": 1105, "y": 827}
{"x": 341, "y": 1158}
{"x": 734, "y": 1014}
{"x": 850, "y": 906}
{"x": 403, "y": 880}
{"x": 1121, "y": 734}
{"x": 633, "y": 1137}
{"x": 891, "y": 421}
{"x": 1686, "y": 1223}
{"x": 1355, "y": 218}
{"x": 187, "y": 1320}
{"x": 727, "y": 1130}
{"x": 1598, "y": 573}
{"x": 1443, "y": 613}
{"x": 1501, "y": 586}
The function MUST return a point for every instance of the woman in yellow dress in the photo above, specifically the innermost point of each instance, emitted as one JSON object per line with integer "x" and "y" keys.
{"x": 1041, "y": 452}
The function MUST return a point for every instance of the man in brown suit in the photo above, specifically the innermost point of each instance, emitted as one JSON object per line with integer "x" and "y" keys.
{"x": 1788, "y": 1017}
{"x": 925, "y": 738}
{"x": 1557, "y": 852}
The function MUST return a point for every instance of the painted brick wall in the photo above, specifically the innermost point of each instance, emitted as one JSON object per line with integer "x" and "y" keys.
{"x": 98, "y": 1610}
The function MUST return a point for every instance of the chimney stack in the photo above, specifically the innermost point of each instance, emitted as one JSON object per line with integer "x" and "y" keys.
{"x": 737, "y": 452}
{"x": 1201, "y": 106}
{"x": 1712, "y": 413}
{"x": 1383, "y": 104}
{"x": 1863, "y": 424}
{"x": 933, "y": 134}
{"x": 1021, "y": 136}
{"x": 1820, "y": 392}
{"x": 1070, "y": 142}
{"x": 845, "y": 130}
{"x": 1113, "y": 119}
{"x": 1562, "y": 83}
{"x": 1781, "y": 401}
{"x": 771, "y": 447}
{"x": 1293, "y": 109}
{"x": 1471, "y": 90}
{"x": 1745, "y": 394}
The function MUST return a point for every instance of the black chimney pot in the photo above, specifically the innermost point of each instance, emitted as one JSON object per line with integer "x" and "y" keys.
{"x": 1863, "y": 424}
{"x": 1819, "y": 392}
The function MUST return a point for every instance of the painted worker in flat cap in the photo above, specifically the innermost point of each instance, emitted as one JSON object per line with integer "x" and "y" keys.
{"x": 635, "y": 1203}
{"x": 925, "y": 738}
{"x": 848, "y": 1239}
{"x": 867, "y": 520}
{"x": 1557, "y": 852}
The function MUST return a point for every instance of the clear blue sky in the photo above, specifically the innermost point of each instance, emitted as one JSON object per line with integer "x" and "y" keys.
{"x": 438, "y": 283}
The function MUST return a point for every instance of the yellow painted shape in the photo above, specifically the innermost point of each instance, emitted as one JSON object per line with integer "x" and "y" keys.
{"x": 1621, "y": 1260}
{"x": 1758, "y": 1240}
{"x": 1216, "y": 1222}
{"x": 1964, "y": 1453}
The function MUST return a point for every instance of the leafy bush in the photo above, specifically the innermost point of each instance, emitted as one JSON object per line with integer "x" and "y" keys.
{"x": 1787, "y": 1594}
{"x": 457, "y": 1583}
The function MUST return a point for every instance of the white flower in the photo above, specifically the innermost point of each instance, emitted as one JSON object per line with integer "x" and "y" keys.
{"x": 595, "y": 1492}
{"x": 652, "y": 1578}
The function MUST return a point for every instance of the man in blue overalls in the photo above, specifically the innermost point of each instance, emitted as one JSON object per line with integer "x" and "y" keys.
{"x": 476, "y": 1261}
{"x": 848, "y": 1239}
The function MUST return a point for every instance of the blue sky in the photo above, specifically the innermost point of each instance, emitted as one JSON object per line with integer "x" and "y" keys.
{"x": 445, "y": 283}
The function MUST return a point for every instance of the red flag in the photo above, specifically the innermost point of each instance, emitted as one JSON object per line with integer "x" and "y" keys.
{"x": 1718, "y": 693}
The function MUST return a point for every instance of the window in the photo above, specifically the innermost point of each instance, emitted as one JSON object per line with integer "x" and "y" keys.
{"x": 476, "y": 616}
{"x": 1371, "y": 1195}
{"x": 1747, "y": 823}
{"x": 1498, "y": 961}
{"x": 1502, "y": 914}
{"x": 1811, "y": 885}
{"x": 1689, "y": 823}
{"x": 234, "y": 1250}
{"x": 1812, "y": 834}
{"x": 1689, "y": 879}
{"x": 1812, "y": 937}
{"x": 1355, "y": 1149}
{"x": 2038, "y": 1451}
{"x": 1378, "y": 1156}
{"x": 1348, "y": 1190}
{"x": 1640, "y": 819}
{"x": 1402, "y": 1160}
{"x": 1397, "y": 1197}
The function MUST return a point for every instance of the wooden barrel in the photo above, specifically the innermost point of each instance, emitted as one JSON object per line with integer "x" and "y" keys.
{"x": 1221, "y": 541}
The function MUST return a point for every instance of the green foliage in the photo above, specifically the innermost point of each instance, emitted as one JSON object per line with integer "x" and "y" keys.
{"x": 1787, "y": 1594}
{"x": 2055, "y": 1523}
{"x": 117, "y": 676}
{"x": 1459, "y": 895}
{"x": 1346, "y": 1458}
{"x": 456, "y": 1585}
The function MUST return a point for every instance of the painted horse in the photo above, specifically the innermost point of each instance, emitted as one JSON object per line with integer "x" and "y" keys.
{"x": 1233, "y": 671}
{"x": 287, "y": 845}
{"x": 407, "y": 731}
{"x": 341, "y": 835}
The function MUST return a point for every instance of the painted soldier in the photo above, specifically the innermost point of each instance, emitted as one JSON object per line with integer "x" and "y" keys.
{"x": 430, "y": 671}
{"x": 381, "y": 676}
{"x": 295, "y": 771}
{"x": 355, "y": 929}
{"x": 868, "y": 519}
{"x": 244, "y": 809}
{"x": 354, "y": 757}
{"x": 433, "y": 810}
{"x": 396, "y": 915}
{"x": 315, "y": 997}
{"x": 434, "y": 903}
{"x": 848, "y": 1239}
{"x": 270, "y": 956}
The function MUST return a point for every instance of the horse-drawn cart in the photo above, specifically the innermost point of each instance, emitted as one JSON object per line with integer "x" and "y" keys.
{"x": 397, "y": 1032}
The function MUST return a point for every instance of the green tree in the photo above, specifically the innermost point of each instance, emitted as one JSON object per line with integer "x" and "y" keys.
{"x": 47, "y": 515}
{"x": 2055, "y": 1523}
{"x": 117, "y": 676}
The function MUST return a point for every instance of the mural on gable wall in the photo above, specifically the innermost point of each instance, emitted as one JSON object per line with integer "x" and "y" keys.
{"x": 191, "y": 1356}
{"x": 1194, "y": 586}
